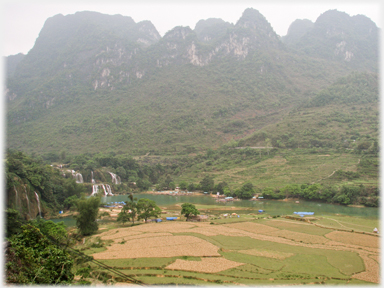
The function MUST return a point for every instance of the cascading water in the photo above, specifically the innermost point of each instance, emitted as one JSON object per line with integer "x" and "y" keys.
{"x": 95, "y": 189}
{"x": 105, "y": 191}
{"x": 77, "y": 176}
{"x": 106, "y": 188}
{"x": 17, "y": 197}
{"x": 26, "y": 197}
{"x": 93, "y": 180}
{"x": 115, "y": 178}
{"x": 38, "y": 203}
{"x": 109, "y": 190}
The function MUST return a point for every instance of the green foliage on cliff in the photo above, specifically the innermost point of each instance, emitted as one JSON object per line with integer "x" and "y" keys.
{"x": 114, "y": 85}
{"x": 26, "y": 175}
{"x": 33, "y": 257}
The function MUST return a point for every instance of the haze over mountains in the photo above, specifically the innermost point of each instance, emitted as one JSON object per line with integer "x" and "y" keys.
{"x": 96, "y": 82}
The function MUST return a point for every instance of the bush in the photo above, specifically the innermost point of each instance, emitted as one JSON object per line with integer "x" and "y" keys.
{"x": 88, "y": 210}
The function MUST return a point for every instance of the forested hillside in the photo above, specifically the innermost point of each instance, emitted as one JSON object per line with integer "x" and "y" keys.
{"x": 128, "y": 90}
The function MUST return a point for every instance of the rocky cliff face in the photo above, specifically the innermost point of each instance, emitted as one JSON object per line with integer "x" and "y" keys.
{"x": 86, "y": 47}
{"x": 251, "y": 33}
{"x": 103, "y": 51}
{"x": 23, "y": 199}
{"x": 337, "y": 36}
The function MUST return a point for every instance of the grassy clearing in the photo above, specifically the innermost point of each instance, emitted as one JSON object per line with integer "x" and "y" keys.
{"x": 282, "y": 169}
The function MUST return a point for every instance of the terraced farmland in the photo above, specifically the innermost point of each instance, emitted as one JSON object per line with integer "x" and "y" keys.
{"x": 255, "y": 252}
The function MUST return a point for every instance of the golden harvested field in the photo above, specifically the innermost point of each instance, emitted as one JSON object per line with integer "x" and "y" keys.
{"x": 163, "y": 246}
{"x": 213, "y": 230}
{"x": 354, "y": 239}
{"x": 172, "y": 227}
{"x": 206, "y": 265}
{"x": 253, "y": 227}
{"x": 372, "y": 270}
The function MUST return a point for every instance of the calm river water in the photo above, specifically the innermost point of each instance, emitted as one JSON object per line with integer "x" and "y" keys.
{"x": 271, "y": 207}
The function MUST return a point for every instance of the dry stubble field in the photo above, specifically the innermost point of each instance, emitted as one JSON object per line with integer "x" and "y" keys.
{"x": 254, "y": 252}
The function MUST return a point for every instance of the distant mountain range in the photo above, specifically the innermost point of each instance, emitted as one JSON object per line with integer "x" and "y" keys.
{"x": 96, "y": 82}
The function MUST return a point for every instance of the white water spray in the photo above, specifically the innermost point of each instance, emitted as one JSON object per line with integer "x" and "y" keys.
{"x": 115, "y": 178}
{"x": 95, "y": 189}
{"x": 106, "y": 188}
{"x": 77, "y": 176}
{"x": 26, "y": 196}
{"x": 109, "y": 190}
{"x": 16, "y": 194}
{"x": 38, "y": 203}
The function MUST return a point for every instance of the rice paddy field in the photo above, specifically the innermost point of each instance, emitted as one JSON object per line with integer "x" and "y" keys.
{"x": 243, "y": 250}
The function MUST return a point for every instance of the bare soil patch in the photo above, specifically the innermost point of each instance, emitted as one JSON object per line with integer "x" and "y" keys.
{"x": 206, "y": 265}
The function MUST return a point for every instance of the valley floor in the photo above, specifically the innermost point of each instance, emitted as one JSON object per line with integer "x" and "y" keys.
{"x": 246, "y": 250}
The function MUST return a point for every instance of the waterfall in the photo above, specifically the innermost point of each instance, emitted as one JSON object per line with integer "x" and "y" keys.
{"x": 109, "y": 190}
{"x": 77, "y": 176}
{"x": 106, "y": 188}
{"x": 93, "y": 180}
{"x": 26, "y": 196}
{"x": 105, "y": 191}
{"x": 17, "y": 198}
{"x": 38, "y": 203}
{"x": 115, "y": 178}
{"x": 95, "y": 189}
{"x": 29, "y": 209}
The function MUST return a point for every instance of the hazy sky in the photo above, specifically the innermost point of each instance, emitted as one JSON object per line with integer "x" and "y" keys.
{"x": 23, "y": 20}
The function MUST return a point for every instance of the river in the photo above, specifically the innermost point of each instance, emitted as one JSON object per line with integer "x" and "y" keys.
{"x": 271, "y": 207}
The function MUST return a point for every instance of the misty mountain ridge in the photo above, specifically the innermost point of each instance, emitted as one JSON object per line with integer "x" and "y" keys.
{"x": 110, "y": 82}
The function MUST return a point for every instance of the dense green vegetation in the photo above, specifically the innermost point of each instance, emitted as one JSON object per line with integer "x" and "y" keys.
{"x": 32, "y": 253}
{"x": 188, "y": 209}
{"x": 154, "y": 100}
{"x": 88, "y": 211}
{"x": 345, "y": 195}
